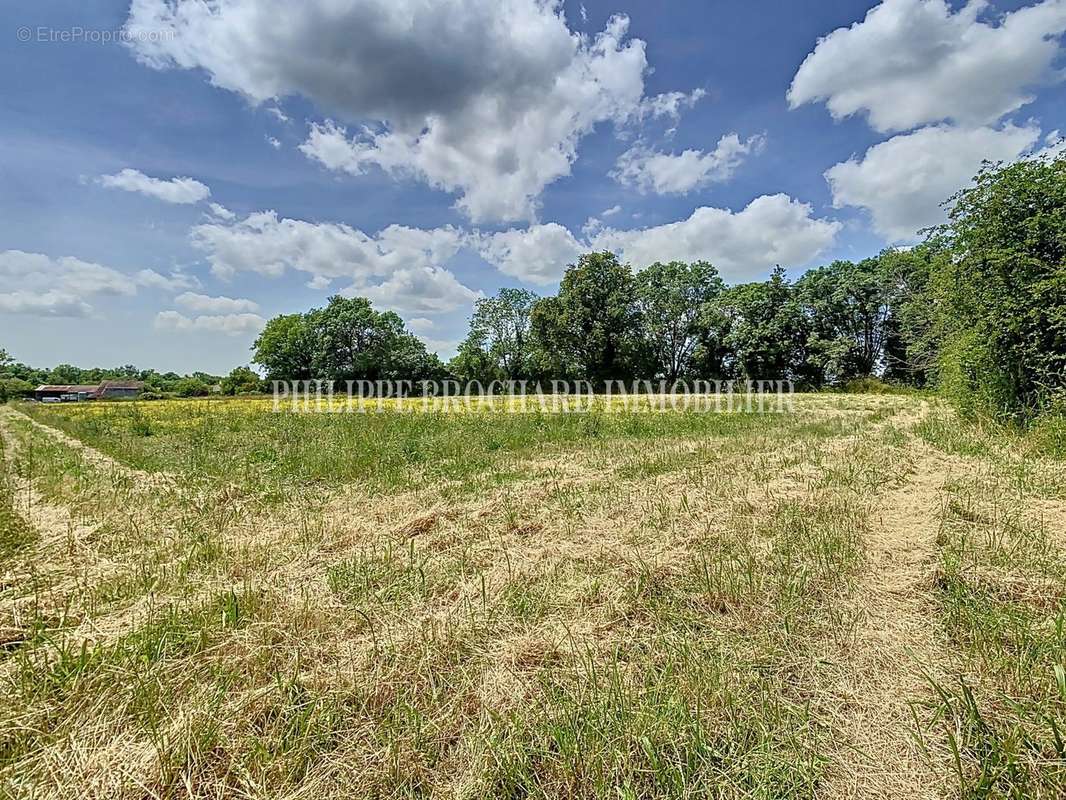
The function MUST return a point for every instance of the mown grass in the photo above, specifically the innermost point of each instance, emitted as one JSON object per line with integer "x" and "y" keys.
{"x": 1002, "y": 586}
{"x": 516, "y": 606}
{"x": 251, "y": 445}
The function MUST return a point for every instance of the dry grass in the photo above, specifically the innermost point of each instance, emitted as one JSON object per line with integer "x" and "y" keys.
{"x": 483, "y": 605}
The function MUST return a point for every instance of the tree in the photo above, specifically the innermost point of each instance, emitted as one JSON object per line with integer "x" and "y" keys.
{"x": 346, "y": 340}
{"x": 912, "y": 329}
{"x": 242, "y": 380}
{"x": 499, "y": 344}
{"x": 672, "y": 299}
{"x": 191, "y": 387}
{"x": 766, "y": 330}
{"x": 1002, "y": 294}
{"x": 847, "y": 306}
{"x": 591, "y": 329}
{"x": 286, "y": 348}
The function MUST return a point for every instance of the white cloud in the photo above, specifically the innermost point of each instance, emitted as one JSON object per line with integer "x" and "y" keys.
{"x": 273, "y": 142}
{"x": 445, "y": 348}
{"x": 174, "y": 190}
{"x": 229, "y": 324}
{"x": 277, "y": 113}
{"x": 206, "y": 304}
{"x": 43, "y": 304}
{"x": 903, "y": 181}
{"x": 171, "y": 283}
{"x": 420, "y": 290}
{"x": 772, "y": 229}
{"x": 664, "y": 173}
{"x": 57, "y": 286}
{"x": 420, "y": 324}
{"x": 221, "y": 211}
{"x": 399, "y": 267}
{"x": 484, "y": 98}
{"x": 538, "y": 254}
{"x": 610, "y": 212}
{"x": 669, "y": 104}
{"x": 911, "y": 62}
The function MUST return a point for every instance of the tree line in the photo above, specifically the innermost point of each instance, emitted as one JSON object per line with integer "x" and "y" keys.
{"x": 977, "y": 310}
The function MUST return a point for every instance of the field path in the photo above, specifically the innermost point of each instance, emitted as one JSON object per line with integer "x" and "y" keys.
{"x": 897, "y": 638}
{"x": 97, "y": 458}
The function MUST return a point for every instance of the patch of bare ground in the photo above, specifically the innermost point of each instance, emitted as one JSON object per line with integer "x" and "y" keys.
{"x": 880, "y": 674}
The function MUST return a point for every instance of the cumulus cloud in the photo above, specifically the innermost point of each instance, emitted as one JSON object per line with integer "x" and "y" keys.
{"x": 57, "y": 286}
{"x": 229, "y": 324}
{"x": 903, "y": 181}
{"x": 174, "y": 190}
{"x": 221, "y": 211}
{"x": 273, "y": 142}
{"x": 538, "y": 254}
{"x": 665, "y": 173}
{"x": 422, "y": 290}
{"x": 911, "y": 62}
{"x": 206, "y": 304}
{"x": 772, "y": 229}
{"x": 173, "y": 282}
{"x": 405, "y": 262}
{"x": 669, "y": 104}
{"x": 420, "y": 325}
{"x": 485, "y": 98}
{"x": 44, "y": 304}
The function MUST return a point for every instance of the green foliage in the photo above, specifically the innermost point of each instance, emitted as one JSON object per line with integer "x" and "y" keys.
{"x": 286, "y": 348}
{"x": 346, "y": 340}
{"x": 499, "y": 344}
{"x": 242, "y": 380}
{"x": 673, "y": 299}
{"x": 591, "y": 329}
{"x": 1002, "y": 294}
{"x": 191, "y": 387}
{"x": 847, "y": 306}
{"x": 11, "y": 388}
{"x": 764, "y": 329}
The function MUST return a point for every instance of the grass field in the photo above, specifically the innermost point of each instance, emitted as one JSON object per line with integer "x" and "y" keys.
{"x": 863, "y": 598}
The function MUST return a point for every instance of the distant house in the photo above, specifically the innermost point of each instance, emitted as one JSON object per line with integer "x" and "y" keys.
{"x": 72, "y": 392}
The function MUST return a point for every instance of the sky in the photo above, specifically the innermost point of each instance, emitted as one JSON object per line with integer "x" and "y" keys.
{"x": 174, "y": 173}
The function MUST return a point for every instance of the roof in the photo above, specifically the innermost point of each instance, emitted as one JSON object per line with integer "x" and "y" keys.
{"x": 69, "y": 388}
{"x": 74, "y": 388}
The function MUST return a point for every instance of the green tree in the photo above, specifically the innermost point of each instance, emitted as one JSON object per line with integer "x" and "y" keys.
{"x": 672, "y": 300}
{"x": 499, "y": 343}
{"x": 765, "y": 330}
{"x": 912, "y": 329}
{"x": 346, "y": 340}
{"x": 1002, "y": 294}
{"x": 241, "y": 380}
{"x": 591, "y": 329}
{"x": 847, "y": 307}
{"x": 286, "y": 348}
{"x": 191, "y": 387}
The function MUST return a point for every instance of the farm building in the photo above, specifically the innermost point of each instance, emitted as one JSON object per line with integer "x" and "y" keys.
{"x": 105, "y": 390}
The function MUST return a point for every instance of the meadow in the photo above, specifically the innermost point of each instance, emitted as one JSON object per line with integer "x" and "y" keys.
{"x": 864, "y": 597}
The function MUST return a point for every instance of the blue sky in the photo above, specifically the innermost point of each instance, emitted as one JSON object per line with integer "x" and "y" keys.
{"x": 227, "y": 162}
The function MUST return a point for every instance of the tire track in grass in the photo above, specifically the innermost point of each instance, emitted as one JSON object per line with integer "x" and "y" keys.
{"x": 897, "y": 642}
{"x": 99, "y": 459}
